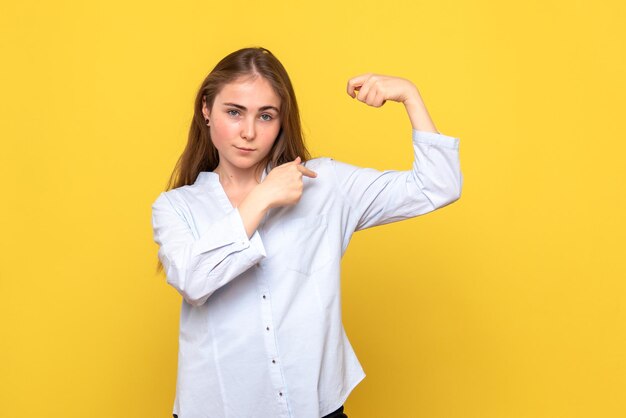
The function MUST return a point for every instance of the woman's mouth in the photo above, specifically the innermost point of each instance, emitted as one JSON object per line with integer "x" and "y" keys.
{"x": 244, "y": 149}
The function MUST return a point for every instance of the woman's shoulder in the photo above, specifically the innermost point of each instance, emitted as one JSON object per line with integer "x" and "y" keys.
{"x": 319, "y": 163}
{"x": 178, "y": 196}
{"x": 325, "y": 167}
{"x": 167, "y": 197}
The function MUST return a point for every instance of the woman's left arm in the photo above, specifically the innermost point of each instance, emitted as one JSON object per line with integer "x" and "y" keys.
{"x": 435, "y": 180}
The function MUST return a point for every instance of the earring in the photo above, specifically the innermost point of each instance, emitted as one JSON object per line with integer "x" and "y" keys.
{"x": 207, "y": 122}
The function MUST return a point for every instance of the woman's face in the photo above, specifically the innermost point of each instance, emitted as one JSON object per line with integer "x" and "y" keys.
{"x": 244, "y": 123}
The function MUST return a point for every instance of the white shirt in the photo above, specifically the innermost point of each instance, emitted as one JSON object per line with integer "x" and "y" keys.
{"x": 260, "y": 328}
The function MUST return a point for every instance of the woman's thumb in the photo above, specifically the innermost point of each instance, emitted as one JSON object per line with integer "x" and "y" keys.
{"x": 298, "y": 160}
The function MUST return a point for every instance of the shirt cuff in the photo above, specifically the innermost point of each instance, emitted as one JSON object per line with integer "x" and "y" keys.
{"x": 257, "y": 244}
{"x": 436, "y": 139}
{"x": 254, "y": 243}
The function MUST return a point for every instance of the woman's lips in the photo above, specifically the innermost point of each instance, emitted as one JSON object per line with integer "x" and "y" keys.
{"x": 245, "y": 149}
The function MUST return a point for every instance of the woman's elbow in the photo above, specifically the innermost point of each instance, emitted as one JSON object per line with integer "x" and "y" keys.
{"x": 194, "y": 300}
{"x": 190, "y": 288}
{"x": 450, "y": 193}
{"x": 456, "y": 190}
{"x": 194, "y": 297}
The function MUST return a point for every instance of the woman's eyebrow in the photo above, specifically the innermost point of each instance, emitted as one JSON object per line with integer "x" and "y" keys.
{"x": 244, "y": 108}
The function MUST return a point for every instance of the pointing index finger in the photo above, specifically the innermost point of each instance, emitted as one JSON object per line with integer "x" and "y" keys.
{"x": 306, "y": 172}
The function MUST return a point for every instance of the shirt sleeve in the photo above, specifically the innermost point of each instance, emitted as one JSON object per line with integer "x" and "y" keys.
{"x": 380, "y": 197}
{"x": 198, "y": 265}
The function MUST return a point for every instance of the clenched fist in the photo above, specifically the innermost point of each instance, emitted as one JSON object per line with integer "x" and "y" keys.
{"x": 376, "y": 89}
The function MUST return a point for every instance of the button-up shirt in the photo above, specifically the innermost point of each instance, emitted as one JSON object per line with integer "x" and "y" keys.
{"x": 260, "y": 328}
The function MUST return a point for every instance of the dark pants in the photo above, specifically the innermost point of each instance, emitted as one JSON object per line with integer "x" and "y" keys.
{"x": 337, "y": 414}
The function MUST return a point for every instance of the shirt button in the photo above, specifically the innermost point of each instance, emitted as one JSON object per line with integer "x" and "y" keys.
{"x": 267, "y": 328}
{"x": 274, "y": 361}
{"x": 280, "y": 393}
{"x": 263, "y": 296}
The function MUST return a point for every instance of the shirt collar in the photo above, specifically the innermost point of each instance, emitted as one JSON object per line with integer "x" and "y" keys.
{"x": 206, "y": 177}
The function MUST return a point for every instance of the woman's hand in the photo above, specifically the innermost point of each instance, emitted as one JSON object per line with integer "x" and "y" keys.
{"x": 283, "y": 185}
{"x": 376, "y": 89}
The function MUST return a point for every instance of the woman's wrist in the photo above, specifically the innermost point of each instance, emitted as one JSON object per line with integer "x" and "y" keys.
{"x": 259, "y": 198}
{"x": 252, "y": 210}
{"x": 420, "y": 119}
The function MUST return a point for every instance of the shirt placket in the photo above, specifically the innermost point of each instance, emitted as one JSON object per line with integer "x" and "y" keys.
{"x": 271, "y": 344}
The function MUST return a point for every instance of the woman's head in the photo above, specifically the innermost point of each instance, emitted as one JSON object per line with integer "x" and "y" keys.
{"x": 244, "y": 122}
{"x": 246, "y": 64}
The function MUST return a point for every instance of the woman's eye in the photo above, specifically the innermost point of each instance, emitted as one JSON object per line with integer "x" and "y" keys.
{"x": 266, "y": 117}
{"x": 233, "y": 112}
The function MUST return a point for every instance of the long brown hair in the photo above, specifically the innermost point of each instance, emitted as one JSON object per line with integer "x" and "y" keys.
{"x": 201, "y": 155}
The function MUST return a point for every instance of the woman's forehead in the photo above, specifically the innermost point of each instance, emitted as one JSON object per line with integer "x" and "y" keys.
{"x": 249, "y": 91}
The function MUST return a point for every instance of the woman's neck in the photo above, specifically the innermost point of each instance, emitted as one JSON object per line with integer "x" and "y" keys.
{"x": 239, "y": 179}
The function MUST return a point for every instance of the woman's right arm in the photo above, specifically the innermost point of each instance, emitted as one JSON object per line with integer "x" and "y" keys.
{"x": 197, "y": 266}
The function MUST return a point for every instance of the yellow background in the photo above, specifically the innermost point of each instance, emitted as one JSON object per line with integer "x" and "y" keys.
{"x": 508, "y": 303}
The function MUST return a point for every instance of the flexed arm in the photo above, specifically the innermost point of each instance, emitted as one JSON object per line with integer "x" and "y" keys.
{"x": 435, "y": 180}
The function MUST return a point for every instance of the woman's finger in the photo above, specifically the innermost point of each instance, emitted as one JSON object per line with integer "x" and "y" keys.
{"x": 356, "y": 83}
{"x": 365, "y": 91}
{"x": 307, "y": 172}
{"x": 379, "y": 100}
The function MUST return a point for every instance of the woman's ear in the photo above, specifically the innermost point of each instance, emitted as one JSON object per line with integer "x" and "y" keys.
{"x": 205, "y": 111}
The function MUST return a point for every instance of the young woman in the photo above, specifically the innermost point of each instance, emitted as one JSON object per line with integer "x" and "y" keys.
{"x": 251, "y": 232}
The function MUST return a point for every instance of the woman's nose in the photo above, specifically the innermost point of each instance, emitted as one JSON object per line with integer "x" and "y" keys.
{"x": 248, "y": 129}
